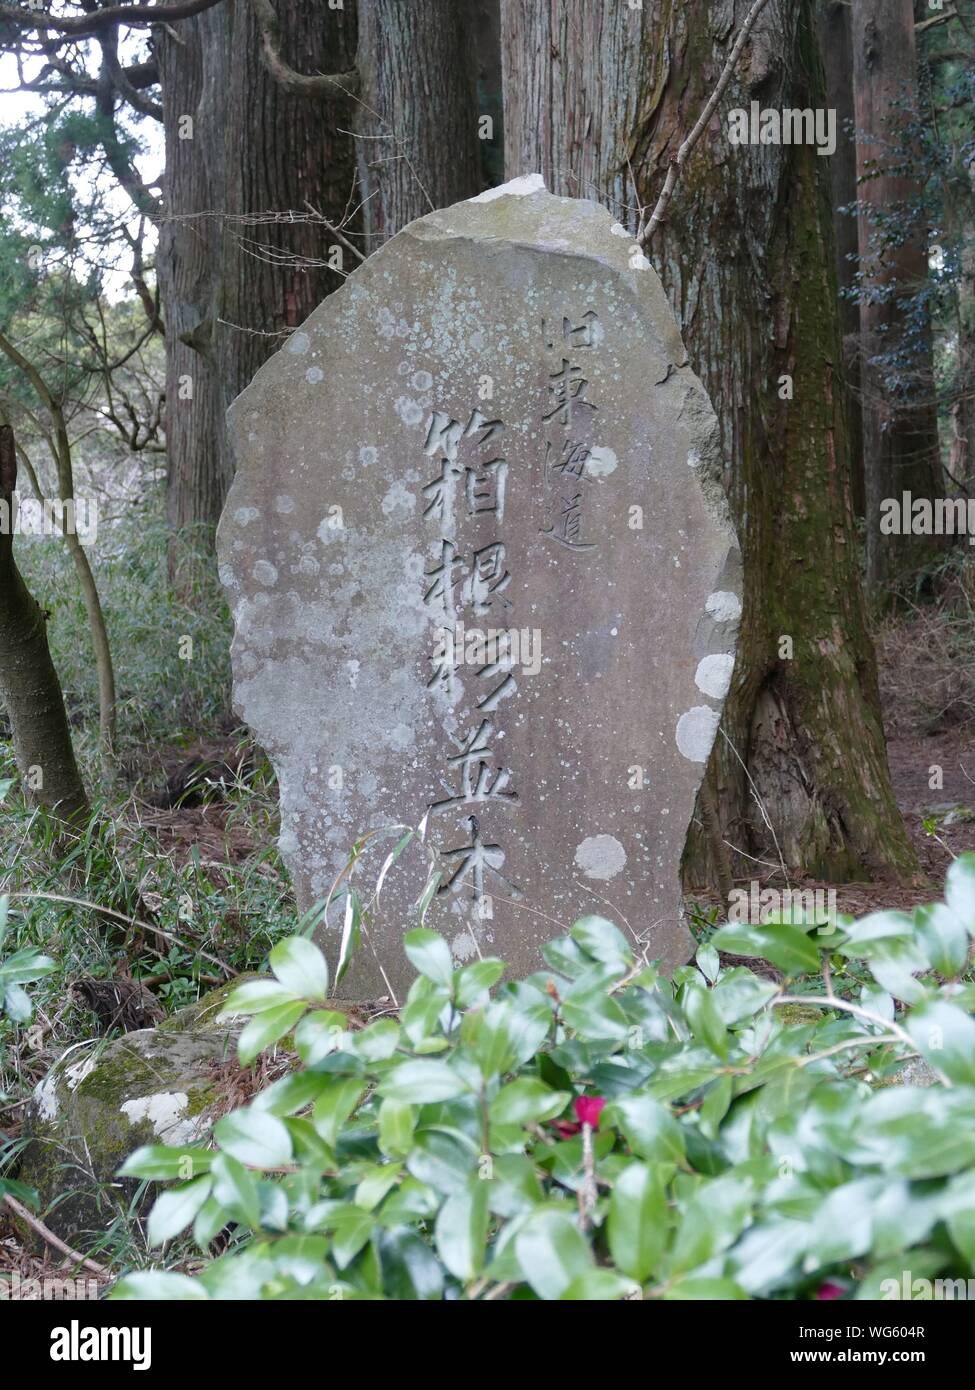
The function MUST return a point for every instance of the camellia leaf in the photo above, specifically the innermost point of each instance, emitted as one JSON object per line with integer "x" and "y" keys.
{"x": 475, "y": 979}
{"x": 788, "y": 947}
{"x": 265, "y": 1029}
{"x": 300, "y": 967}
{"x": 255, "y": 1138}
{"x": 254, "y": 996}
{"x": 637, "y": 1224}
{"x": 650, "y": 1129}
{"x": 334, "y": 1106}
{"x": 943, "y": 938}
{"x": 162, "y": 1164}
{"x": 377, "y": 1042}
{"x": 410, "y": 1269}
{"x": 16, "y": 1003}
{"x": 351, "y": 1227}
{"x": 552, "y": 1252}
{"x": 960, "y": 890}
{"x": 318, "y": 1034}
{"x": 598, "y": 1286}
{"x": 461, "y": 1230}
{"x": 527, "y": 1101}
{"x": 595, "y": 1014}
{"x": 600, "y": 939}
{"x": 422, "y": 1082}
{"x": 25, "y": 966}
{"x": 235, "y": 1188}
{"x": 397, "y": 1121}
{"x": 173, "y": 1211}
{"x": 945, "y": 1037}
{"x": 703, "y": 1015}
{"x": 210, "y": 1221}
{"x": 153, "y": 1284}
{"x": 709, "y": 963}
{"x": 430, "y": 954}
{"x": 291, "y": 1093}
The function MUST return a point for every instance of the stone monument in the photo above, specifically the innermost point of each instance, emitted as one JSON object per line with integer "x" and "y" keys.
{"x": 484, "y": 585}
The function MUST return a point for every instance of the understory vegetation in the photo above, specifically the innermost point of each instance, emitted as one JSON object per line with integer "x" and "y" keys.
{"x": 596, "y": 1131}
{"x": 769, "y": 1124}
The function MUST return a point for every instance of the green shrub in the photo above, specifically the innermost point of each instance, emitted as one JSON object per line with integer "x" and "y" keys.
{"x": 598, "y": 1132}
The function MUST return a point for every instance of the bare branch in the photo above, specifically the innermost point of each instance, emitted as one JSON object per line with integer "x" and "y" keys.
{"x": 681, "y": 157}
{"x": 297, "y": 83}
{"x": 86, "y": 25}
{"x": 109, "y": 45}
{"x": 942, "y": 18}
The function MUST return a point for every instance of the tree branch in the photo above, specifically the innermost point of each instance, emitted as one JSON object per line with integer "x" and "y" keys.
{"x": 942, "y": 18}
{"x": 680, "y": 159}
{"x": 118, "y": 160}
{"x": 86, "y": 25}
{"x": 109, "y": 46}
{"x": 297, "y": 83}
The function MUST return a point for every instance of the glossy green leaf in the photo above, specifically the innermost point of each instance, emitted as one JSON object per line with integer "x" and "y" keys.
{"x": 429, "y": 953}
{"x": 650, "y": 1129}
{"x": 461, "y": 1230}
{"x": 254, "y": 1138}
{"x": 173, "y": 1211}
{"x": 552, "y": 1252}
{"x": 265, "y": 1029}
{"x": 638, "y": 1223}
{"x": 300, "y": 967}
{"x": 422, "y": 1082}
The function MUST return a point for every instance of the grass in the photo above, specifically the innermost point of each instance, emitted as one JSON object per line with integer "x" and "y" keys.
{"x": 209, "y": 878}
{"x": 163, "y": 698}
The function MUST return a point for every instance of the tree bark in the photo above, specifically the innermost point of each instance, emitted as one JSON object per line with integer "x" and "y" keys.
{"x": 900, "y": 431}
{"x": 836, "y": 43}
{"x": 199, "y": 470}
{"x": 417, "y": 117}
{"x": 962, "y": 449}
{"x": 29, "y": 685}
{"x": 242, "y": 259}
{"x": 597, "y": 99}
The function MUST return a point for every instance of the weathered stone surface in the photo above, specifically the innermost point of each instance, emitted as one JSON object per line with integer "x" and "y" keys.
{"x": 491, "y": 424}
{"x": 101, "y": 1101}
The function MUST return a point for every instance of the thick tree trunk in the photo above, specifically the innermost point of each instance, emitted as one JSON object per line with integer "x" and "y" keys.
{"x": 242, "y": 259}
{"x": 29, "y": 685}
{"x": 900, "y": 432}
{"x": 836, "y": 43}
{"x": 417, "y": 118}
{"x": 199, "y": 470}
{"x": 597, "y": 99}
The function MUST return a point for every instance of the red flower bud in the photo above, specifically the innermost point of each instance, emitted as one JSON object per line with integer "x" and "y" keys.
{"x": 588, "y": 1110}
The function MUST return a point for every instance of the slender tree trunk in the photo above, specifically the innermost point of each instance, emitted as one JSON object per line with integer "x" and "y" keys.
{"x": 242, "y": 258}
{"x": 597, "y": 99}
{"x": 963, "y": 409}
{"x": 59, "y": 443}
{"x": 417, "y": 116}
{"x": 29, "y": 685}
{"x": 900, "y": 432}
{"x": 836, "y": 43}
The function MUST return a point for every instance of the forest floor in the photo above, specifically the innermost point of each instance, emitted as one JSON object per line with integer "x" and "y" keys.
{"x": 940, "y": 823}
